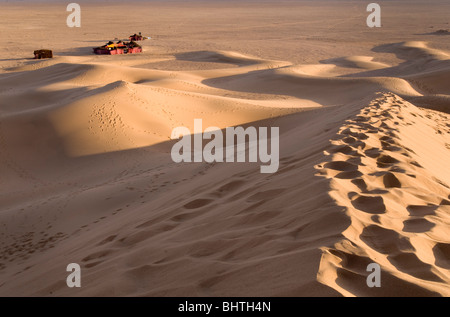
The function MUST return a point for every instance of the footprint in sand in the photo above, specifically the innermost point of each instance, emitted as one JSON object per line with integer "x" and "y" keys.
{"x": 369, "y": 204}
{"x": 373, "y": 152}
{"x": 95, "y": 258}
{"x": 421, "y": 211}
{"x": 391, "y": 181}
{"x": 198, "y": 203}
{"x": 356, "y": 135}
{"x": 441, "y": 253}
{"x": 410, "y": 264}
{"x": 228, "y": 188}
{"x": 343, "y": 166}
{"x": 418, "y": 225}
{"x": 344, "y": 149}
{"x": 107, "y": 240}
{"x": 385, "y": 241}
{"x": 386, "y": 161}
{"x": 265, "y": 195}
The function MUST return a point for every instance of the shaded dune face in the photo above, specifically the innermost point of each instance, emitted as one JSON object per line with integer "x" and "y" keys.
{"x": 86, "y": 175}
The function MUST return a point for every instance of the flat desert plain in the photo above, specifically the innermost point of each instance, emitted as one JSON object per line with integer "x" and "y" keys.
{"x": 87, "y": 177}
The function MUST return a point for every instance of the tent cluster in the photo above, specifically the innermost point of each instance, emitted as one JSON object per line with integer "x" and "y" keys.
{"x": 136, "y": 37}
{"x": 110, "y": 48}
{"x": 120, "y": 47}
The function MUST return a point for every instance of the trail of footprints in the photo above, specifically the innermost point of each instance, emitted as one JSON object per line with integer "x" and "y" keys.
{"x": 26, "y": 245}
{"x": 190, "y": 210}
{"x": 409, "y": 224}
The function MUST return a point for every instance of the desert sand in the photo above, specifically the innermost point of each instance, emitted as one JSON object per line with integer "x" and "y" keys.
{"x": 86, "y": 174}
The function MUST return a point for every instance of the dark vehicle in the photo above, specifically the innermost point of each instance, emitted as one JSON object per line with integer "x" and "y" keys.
{"x": 38, "y": 54}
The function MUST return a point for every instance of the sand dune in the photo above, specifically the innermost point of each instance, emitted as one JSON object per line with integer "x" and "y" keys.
{"x": 363, "y": 62}
{"x": 87, "y": 177}
{"x": 396, "y": 195}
